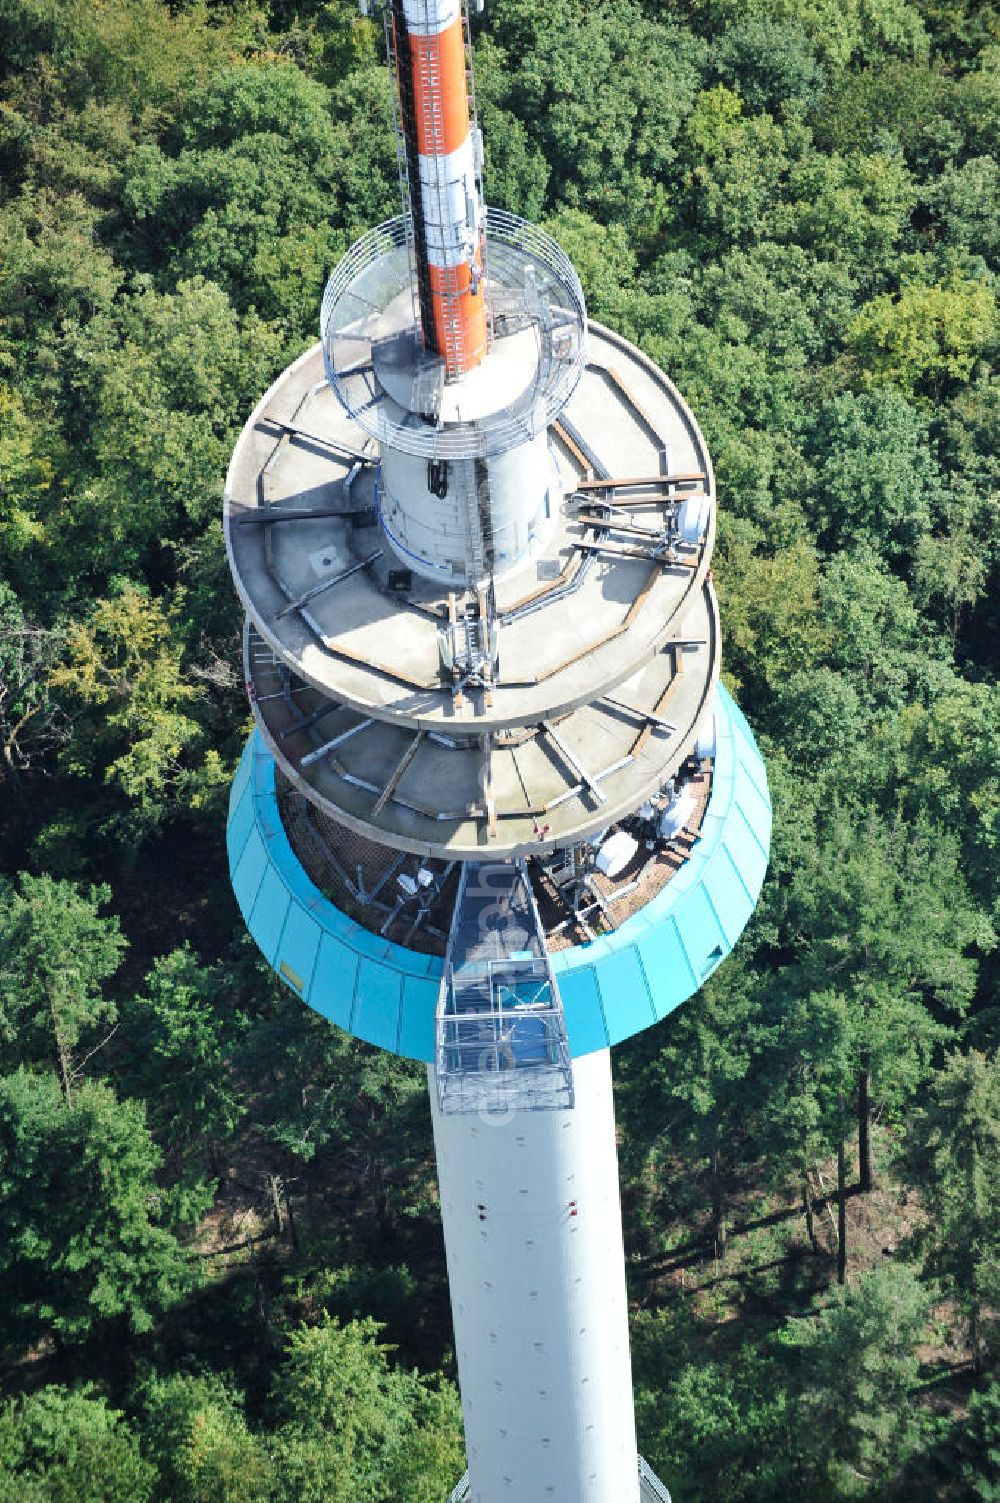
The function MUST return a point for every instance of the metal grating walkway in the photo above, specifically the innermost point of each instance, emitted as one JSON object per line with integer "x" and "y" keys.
{"x": 500, "y": 1034}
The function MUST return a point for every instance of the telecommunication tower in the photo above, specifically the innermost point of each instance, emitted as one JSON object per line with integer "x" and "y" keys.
{"x": 497, "y": 812}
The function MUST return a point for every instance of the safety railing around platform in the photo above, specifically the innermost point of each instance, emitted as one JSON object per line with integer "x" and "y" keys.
{"x": 368, "y": 304}
{"x": 501, "y": 1040}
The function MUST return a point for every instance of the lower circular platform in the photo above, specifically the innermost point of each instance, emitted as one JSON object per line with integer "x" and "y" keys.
{"x": 611, "y": 988}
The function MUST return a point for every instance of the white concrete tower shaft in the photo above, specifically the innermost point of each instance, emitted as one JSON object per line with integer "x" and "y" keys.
{"x": 533, "y": 1233}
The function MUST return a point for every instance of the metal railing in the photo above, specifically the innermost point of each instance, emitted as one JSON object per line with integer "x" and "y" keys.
{"x": 500, "y": 1030}
{"x": 501, "y": 1041}
{"x": 532, "y": 283}
{"x": 651, "y": 1489}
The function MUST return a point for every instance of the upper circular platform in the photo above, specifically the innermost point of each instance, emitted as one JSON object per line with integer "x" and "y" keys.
{"x": 607, "y": 595}
{"x": 606, "y": 645}
{"x": 398, "y": 395}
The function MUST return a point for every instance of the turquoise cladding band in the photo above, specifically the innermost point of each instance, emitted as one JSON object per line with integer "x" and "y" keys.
{"x": 611, "y": 988}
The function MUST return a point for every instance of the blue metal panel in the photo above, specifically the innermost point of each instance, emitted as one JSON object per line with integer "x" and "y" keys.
{"x": 241, "y": 782}
{"x": 665, "y": 961}
{"x": 748, "y": 849}
{"x": 731, "y": 901}
{"x": 756, "y": 810}
{"x": 333, "y": 982}
{"x": 610, "y": 988}
{"x": 752, "y": 768}
{"x": 628, "y": 1006}
{"x": 416, "y": 1029}
{"x": 267, "y": 917}
{"x": 724, "y": 766}
{"x": 241, "y": 821}
{"x": 296, "y": 957}
{"x": 581, "y": 999}
{"x": 377, "y": 1005}
{"x": 248, "y": 873}
{"x": 701, "y": 932}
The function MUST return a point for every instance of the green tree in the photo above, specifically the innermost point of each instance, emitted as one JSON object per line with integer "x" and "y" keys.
{"x": 853, "y": 209}
{"x": 852, "y": 1370}
{"x": 877, "y": 639}
{"x": 123, "y": 670}
{"x": 819, "y": 714}
{"x": 771, "y": 611}
{"x": 803, "y": 1086}
{"x": 63, "y": 1445}
{"x": 26, "y": 472}
{"x": 251, "y": 201}
{"x": 356, "y": 1428}
{"x": 181, "y": 1046}
{"x": 950, "y": 750}
{"x": 692, "y": 1095}
{"x": 954, "y": 1156}
{"x": 57, "y": 951}
{"x": 707, "y": 1426}
{"x": 168, "y": 379}
{"x": 195, "y": 1430}
{"x": 952, "y": 567}
{"x": 975, "y": 1459}
{"x": 85, "y": 1233}
{"x": 599, "y": 93}
{"x": 876, "y": 482}
{"x": 769, "y": 62}
{"x": 881, "y": 914}
{"x": 965, "y": 202}
{"x": 53, "y": 266}
{"x": 927, "y": 339}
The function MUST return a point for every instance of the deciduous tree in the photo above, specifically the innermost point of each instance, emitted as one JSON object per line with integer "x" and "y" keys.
{"x": 62, "y": 1445}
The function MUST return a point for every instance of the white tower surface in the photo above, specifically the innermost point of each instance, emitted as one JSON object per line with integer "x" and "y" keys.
{"x": 497, "y": 813}
{"x": 536, "y": 1268}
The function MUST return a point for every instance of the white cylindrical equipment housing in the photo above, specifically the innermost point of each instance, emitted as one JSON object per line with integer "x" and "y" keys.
{"x": 536, "y": 1268}
{"x": 495, "y": 511}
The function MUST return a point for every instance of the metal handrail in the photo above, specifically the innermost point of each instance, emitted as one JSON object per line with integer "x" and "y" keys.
{"x": 653, "y": 1489}
{"x": 460, "y": 1492}
{"x": 353, "y": 318}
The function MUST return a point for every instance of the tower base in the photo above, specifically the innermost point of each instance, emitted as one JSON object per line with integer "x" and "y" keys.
{"x": 651, "y": 1489}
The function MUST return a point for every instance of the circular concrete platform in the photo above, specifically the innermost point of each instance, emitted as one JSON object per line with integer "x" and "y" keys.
{"x": 611, "y": 988}
{"x": 607, "y": 644}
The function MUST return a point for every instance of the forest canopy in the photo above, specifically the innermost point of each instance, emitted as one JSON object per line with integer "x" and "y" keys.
{"x": 217, "y": 1213}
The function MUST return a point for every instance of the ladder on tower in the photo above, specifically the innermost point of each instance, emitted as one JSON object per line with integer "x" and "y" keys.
{"x": 402, "y": 163}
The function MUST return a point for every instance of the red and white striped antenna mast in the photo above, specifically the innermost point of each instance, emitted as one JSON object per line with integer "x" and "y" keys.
{"x": 440, "y": 158}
